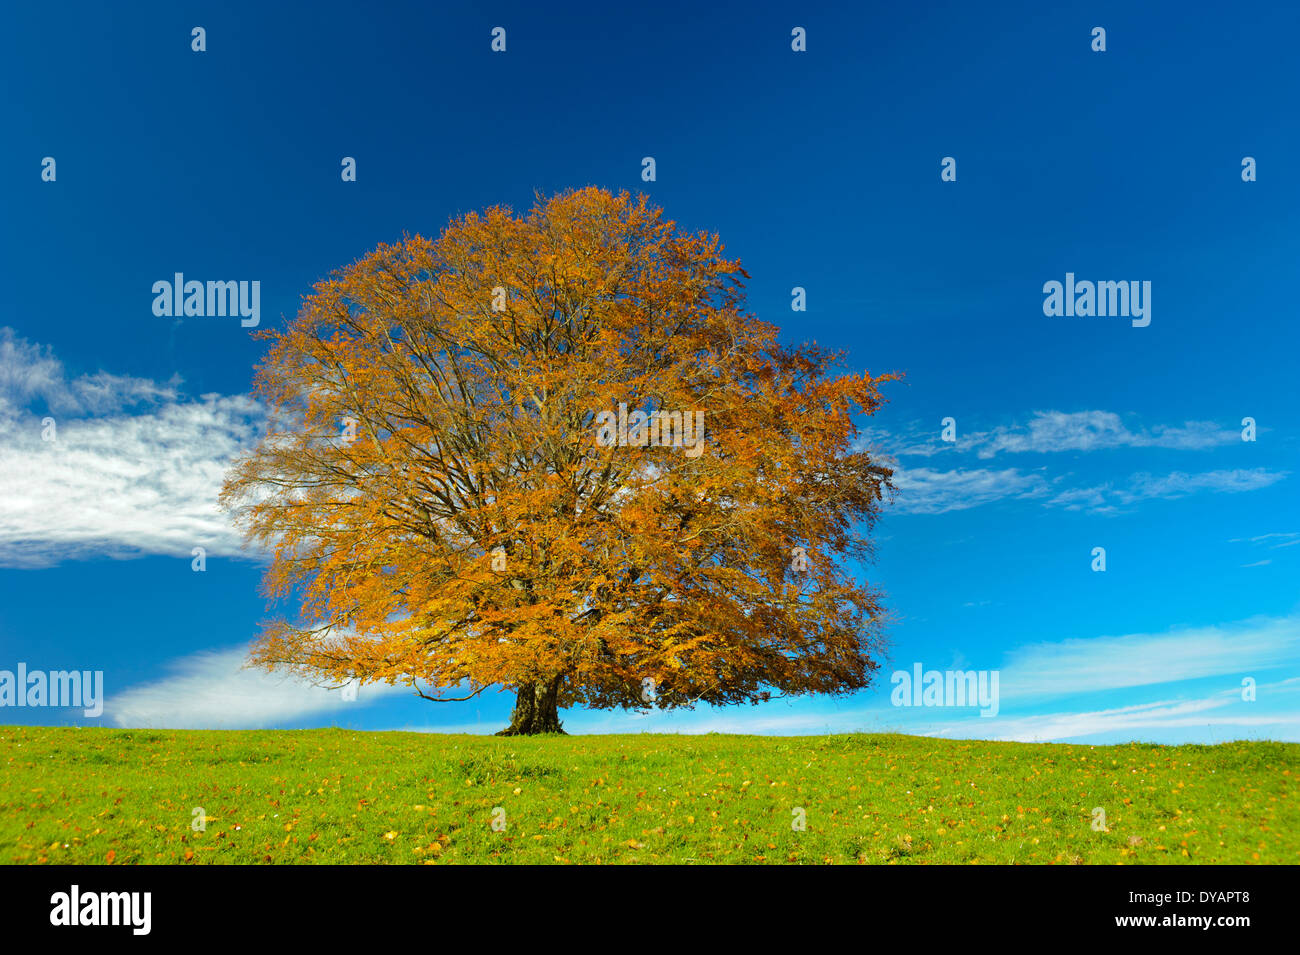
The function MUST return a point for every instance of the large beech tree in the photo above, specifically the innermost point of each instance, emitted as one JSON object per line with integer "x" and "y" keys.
{"x": 440, "y": 502}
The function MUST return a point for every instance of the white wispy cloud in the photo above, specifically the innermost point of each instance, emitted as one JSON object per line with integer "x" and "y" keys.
{"x": 1140, "y": 721}
{"x": 936, "y": 491}
{"x": 134, "y": 465}
{"x": 1055, "y": 431}
{"x": 213, "y": 690}
{"x": 1107, "y": 498}
{"x": 1072, "y": 667}
{"x": 1180, "y": 483}
{"x": 31, "y": 372}
{"x": 931, "y": 491}
{"x": 1051, "y": 432}
{"x": 1274, "y": 540}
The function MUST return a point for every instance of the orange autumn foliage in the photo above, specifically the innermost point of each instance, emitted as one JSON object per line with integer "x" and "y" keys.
{"x": 475, "y": 533}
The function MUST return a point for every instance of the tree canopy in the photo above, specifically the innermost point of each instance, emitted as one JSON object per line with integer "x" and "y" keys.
{"x": 553, "y": 453}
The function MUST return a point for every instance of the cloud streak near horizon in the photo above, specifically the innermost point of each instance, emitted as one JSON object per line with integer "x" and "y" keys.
{"x": 212, "y": 690}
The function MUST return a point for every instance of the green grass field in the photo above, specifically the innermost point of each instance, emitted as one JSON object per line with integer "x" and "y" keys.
{"x": 341, "y": 796}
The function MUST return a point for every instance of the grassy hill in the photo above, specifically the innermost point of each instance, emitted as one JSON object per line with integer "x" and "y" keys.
{"x": 341, "y": 796}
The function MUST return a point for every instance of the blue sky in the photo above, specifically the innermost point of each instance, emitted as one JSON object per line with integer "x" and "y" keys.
{"x": 819, "y": 169}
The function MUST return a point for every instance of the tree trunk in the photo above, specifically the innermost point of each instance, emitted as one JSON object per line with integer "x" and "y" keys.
{"x": 535, "y": 710}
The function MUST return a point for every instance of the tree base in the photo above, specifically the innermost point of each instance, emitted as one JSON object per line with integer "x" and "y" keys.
{"x": 535, "y": 710}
